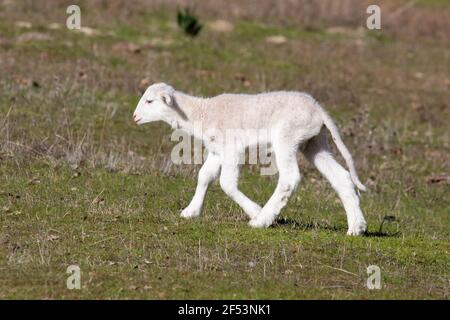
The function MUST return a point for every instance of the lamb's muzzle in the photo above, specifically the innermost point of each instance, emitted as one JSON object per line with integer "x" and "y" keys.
{"x": 293, "y": 121}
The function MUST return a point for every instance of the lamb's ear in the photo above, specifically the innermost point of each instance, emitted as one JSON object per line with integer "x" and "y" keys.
{"x": 167, "y": 98}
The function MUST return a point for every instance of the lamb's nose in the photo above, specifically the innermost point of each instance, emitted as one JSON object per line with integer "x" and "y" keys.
{"x": 136, "y": 118}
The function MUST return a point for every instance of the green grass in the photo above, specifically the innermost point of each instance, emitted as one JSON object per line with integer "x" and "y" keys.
{"x": 125, "y": 234}
{"x": 434, "y": 3}
{"x": 81, "y": 184}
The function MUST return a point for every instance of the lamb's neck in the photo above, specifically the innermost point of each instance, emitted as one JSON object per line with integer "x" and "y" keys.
{"x": 190, "y": 112}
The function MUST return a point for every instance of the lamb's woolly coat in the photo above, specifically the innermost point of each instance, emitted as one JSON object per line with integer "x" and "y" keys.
{"x": 292, "y": 120}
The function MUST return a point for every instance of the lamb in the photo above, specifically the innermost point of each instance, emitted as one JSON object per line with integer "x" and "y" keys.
{"x": 294, "y": 120}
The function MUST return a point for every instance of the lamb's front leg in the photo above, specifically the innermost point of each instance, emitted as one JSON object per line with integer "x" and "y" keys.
{"x": 229, "y": 183}
{"x": 207, "y": 174}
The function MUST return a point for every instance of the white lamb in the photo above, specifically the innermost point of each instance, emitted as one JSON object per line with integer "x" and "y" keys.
{"x": 294, "y": 120}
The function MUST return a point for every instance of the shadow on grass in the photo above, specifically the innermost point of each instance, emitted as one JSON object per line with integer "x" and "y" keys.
{"x": 378, "y": 234}
{"x": 291, "y": 223}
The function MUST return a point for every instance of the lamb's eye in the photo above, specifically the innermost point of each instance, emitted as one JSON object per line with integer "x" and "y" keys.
{"x": 149, "y": 101}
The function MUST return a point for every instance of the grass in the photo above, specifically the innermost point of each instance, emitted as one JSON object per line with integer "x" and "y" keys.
{"x": 81, "y": 184}
{"x": 129, "y": 242}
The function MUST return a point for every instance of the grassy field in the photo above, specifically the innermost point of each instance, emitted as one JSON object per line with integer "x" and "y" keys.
{"x": 81, "y": 184}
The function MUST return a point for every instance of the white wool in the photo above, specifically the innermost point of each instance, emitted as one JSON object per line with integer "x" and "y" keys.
{"x": 294, "y": 121}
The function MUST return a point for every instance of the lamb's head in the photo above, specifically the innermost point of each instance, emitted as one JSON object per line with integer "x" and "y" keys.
{"x": 155, "y": 104}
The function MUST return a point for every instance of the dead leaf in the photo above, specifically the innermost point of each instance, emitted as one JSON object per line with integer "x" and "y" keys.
{"x": 82, "y": 75}
{"x": 144, "y": 84}
{"x": 76, "y": 174}
{"x": 127, "y": 47}
{"x": 34, "y": 181}
{"x": 4, "y": 240}
{"x": 6, "y": 210}
{"x": 99, "y": 201}
{"x": 52, "y": 237}
{"x": 240, "y": 77}
{"x": 89, "y": 31}
{"x": 25, "y": 81}
{"x": 221, "y": 26}
{"x": 92, "y": 276}
{"x": 276, "y": 39}
{"x": 397, "y": 151}
{"x": 438, "y": 179}
{"x": 23, "y": 24}
{"x": 54, "y": 26}
{"x": 418, "y": 75}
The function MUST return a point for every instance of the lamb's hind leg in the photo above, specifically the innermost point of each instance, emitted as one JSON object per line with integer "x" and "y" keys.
{"x": 288, "y": 180}
{"x": 207, "y": 174}
{"x": 318, "y": 153}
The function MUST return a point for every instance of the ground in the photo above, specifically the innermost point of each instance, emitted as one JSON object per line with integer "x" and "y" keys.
{"x": 81, "y": 184}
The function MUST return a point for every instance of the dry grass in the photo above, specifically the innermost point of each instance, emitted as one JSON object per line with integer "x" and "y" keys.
{"x": 402, "y": 18}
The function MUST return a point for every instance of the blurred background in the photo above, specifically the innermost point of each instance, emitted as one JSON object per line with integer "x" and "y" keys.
{"x": 78, "y": 177}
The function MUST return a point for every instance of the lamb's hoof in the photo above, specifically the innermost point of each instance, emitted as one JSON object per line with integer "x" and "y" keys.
{"x": 259, "y": 222}
{"x": 190, "y": 213}
{"x": 357, "y": 230}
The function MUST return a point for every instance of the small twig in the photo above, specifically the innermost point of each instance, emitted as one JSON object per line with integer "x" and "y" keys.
{"x": 5, "y": 119}
{"x": 103, "y": 240}
{"x": 96, "y": 198}
{"x": 339, "y": 269}
{"x": 26, "y": 147}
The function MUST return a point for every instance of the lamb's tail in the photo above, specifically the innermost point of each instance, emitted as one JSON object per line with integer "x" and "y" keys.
{"x": 331, "y": 126}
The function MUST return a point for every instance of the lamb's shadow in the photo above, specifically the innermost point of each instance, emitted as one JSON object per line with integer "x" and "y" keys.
{"x": 381, "y": 234}
{"x": 304, "y": 226}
